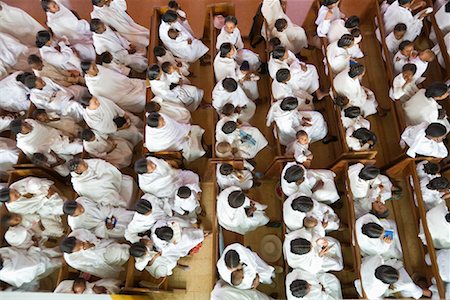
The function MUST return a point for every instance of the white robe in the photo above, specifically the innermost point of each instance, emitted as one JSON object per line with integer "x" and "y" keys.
{"x": 300, "y": 151}
{"x": 293, "y": 37}
{"x": 431, "y": 198}
{"x": 18, "y": 23}
{"x": 418, "y": 143}
{"x": 115, "y": 15}
{"x": 142, "y": 223}
{"x": 238, "y": 98}
{"x": 248, "y": 139}
{"x": 376, "y": 246}
{"x": 112, "y": 286}
{"x": 13, "y": 54}
{"x": 254, "y": 265}
{"x": 94, "y": 219}
{"x": 423, "y": 176}
{"x": 224, "y": 67}
{"x": 169, "y": 57}
{"x": 118, "y": 46}
{"x": 244, "y": 180}
{"x": 174, "y": 110}
{"x": 188, "y": 207}
{"x": 22, "y": 266}
{"x": 338, "y": 58}
{"x": 392, "y": 43}
{"x": 420, "y": 109}
{"x": 440, "y": 52}
{"x": 311, "y": 261}
{"x": 322, "y": 286}
{"x": 323, "y": 26}
{"x": 128, "y": 93}
{"x": 276, "y": 64}
{"x": 437, "y": 226}
{"x": 396, "y": 14}
{"x": 376, "y": 289}
{"x": 236, "y": 219}
{"x": 9, "y": 153}
{"x": 327, "y": 194}
{"x": 401, "y": 90}
{"x": 14, "y": 94}
{"x": 64, "y": 23}
{"x": 223, "y": 290}
{"x": 105, "y": 259}
{"x": 250, "y": 86}
{"x": 357, "y": 94}
{"x": 320, "y": 211}
{"x": 102, "y": 183}
{"x": 174, "y": 136}
{"x": 64, "y": 58}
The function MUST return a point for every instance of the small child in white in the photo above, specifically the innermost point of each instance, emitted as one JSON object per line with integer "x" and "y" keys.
{"x": 300, "y": 148}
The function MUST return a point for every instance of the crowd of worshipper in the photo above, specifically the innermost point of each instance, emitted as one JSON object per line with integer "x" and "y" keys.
{"x": 74, "y": 96}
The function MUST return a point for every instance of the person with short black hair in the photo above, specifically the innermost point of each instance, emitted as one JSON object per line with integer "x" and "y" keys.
{"x": 114, "y": 14}
{"x": 186, "y": 202}
{"x": 352, "y": 119}
{"x": 237, "y": 257}
{"x": 312, "y": 253}
{"x": 383, "y": 278}
{"x": 225, "y": 63}
{"x": 425, "y": 139}
{"x": 350, "y": 26}
{"x": 438, "y": 222}
{"x": 14, "y": 96}
{"x": 227, "y": 175}
{"x": 427, "y": 170}
{"x": 64, "y": 124}
{"x": 300, "y": 148}
{"x": 328, "y": 12}
{"x": 164, "y": 55}
{"x": 403, "y": 55}
{"x": 338, "y": 56}
{"x": 421, "y": 61}
{"x": 248, "y": 80}
{"x": 102, "y": 258}
{"x": 81, "y": 286}
{"x": 307, "y": 286}
{"x": 394, "y": 39}
{"x": 238, "y": 213}
{"x": 404, "y": 85}
{"x": 360, "y": 139}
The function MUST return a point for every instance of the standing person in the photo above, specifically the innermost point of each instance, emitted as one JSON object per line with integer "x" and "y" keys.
{"x": 328, "y": 12}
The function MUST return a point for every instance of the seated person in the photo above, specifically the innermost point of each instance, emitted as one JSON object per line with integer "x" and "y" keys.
{"x": 404, "y": 86}
{"x": 425, "y": 139}
{"x": 360, "y": 139}
{"x": 438, "y": 221}
{"x": 292, "y": 36}
{"x": 66, "y": 125}
{"x": 107, "y": 61}
{"x": 304, "y": 285}
{"x": 81, "y": 286}
{"x": 300, "y": 148}
{"x": 338, "y": 55}
{"x": 397, "y": 36}
{"x": 186, "y": 203}
{"x": 228, "y": 175}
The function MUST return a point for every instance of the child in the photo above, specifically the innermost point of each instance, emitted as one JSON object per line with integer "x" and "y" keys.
{"x": 300, "y": 149}
{"x": 173, "y": 73}
{"x": 248, "y": 80}
{"x": 162, "y": 55}
{"x": 107, "y": 61}
{"x": 404, "y": 86}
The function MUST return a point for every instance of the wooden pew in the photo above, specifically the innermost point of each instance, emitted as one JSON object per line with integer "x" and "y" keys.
{"x": 405, "y": 173}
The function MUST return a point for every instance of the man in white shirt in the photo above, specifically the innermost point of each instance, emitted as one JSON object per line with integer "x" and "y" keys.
{"x": 425, "y": 139}
{"x": 404, "y": 86}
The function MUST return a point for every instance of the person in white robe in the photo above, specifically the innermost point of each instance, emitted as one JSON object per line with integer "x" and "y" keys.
{"x": 9, "y": 153}
{"x": 98, "y": 257}
{"x": 403, "y": 55}
{"x": 438, "y": 222}
{"x": 348, "y": 84}
{"x": 338, "y": 56}
{"x": 441, "y": 52}
{"x": 223, "y": 290}
{"x": 248, "y": 139}
{"x": 149, "y": 209}
{"x": 101, "y": 114}
{"x": 298, "y": 206}
{"x": 425, "y": 139}
{"x": 16, "y": 22}
{"x": 307, "y": 251}
{"x": 434, "y": 191}
{"x": 230, "y": 33}
{"x": 33, "y": 137}
{"x": 424, "y": 106}
{"x": 281, "y": 58}
{"x": 103, "y": 221}
{"x": 328, "y": 12}
{"x": 373, "y": 240}
{"x": 14, "y": 95}
{"x": 394, "y": 38}
{"x": 352, "y": 120}
{"x": 114, "y": 14}
{"x": 22, "y": 266}
{"x": 128, "y": 93}
{"x": 382, "y": 278}
{"x": 116, "y": 151}
{"x": 108, "y": 61}
{"x": 227, "y": 175}
{"x": 165, "y": 134}
{"x": 228, "y": 91}
{"x": 238, "y": 213}
{"x": 313, "y": 183}
{"x": 299, "y": 148}
{"x": 442, "y": 258}
{"x": 404, "y": 86}
{"x": 13, "y": 54}
{"x": 107, "y": 40}
{"x": 101, "y": 182}
{"x": 236, "y": 257}
{"x": 304, "y": 285}
{"x": 427, "y": 170}
{"x": 225, "y": 64}
{"x": 174, "y": 110}
{"x": 339, "y": 27}
{"x": 292, "y": 36}
{"x": 182, "y": 17}
{"x": 290, "y": 119}
{"x": 248, "y": 81}
{"x": 297, "y": 80}
{"x": 163, "y": 55}
{"x": 186, "y": 203}
{"x": 81, "y": 286}
{"x": 401, "y": 13}
{"x": 179, "y": 40}
{"x": 441, "y": 17}
{"x": 66, "y": 125}
{"x": 64, "y": 23}
{"x": 422, "y": 60}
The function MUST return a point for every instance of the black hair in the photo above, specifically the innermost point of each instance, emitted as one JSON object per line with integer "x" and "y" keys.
{"x": 438, "y": 183}
{"x": 283, "y": 75}
{"x": 436, "y": 89}
{"x": 369, "y": 172}
{"x": 365, "y": 135}
{"x": 278, "y": 52}
{"x": 166, "y": 66}
{"x": 372, "y": 230}
{"x": 228, "y": 109}
{"x": 345, "y": 40}
{"x": 170, "y": 16}
{"x": 231, "y": 19}
{"x": 95, "y": 24}
{"x": 435, "y": 130}
{"x": 300, "y": 246}
{"x": 87, "y": 134}
{"x": 281, "y": 24}
{"x": 356, "y": 70}
{"x": 153, "y": 72}
{"x": 229, "y": 127}
{"x": 159, "y": 51}
{"x": 74, "y": 163}
{"x": 400, "y": 27}
{"x": 143, "y": 206}
{"x": 409, "y": 67}
{"x": 403, "y": 2}
{"x": 29, "y": 80}
{"x": 153, "y": 120}
{"x": 387, "y": 274}
{"x": 45, "y": 3}
{"x": 447, "y": 217}
{"x": 16, "y": 126}
{"x": 96, "y": 2}
{"x": 294, "y": 173}
{"x": 236, "y": 199}
{"x": 152, "y": 106}
{"x": 42, "y": 37}
{"x": 226, "y": 169}
{"x": 382, "y": 215}
{"x": 245, "y": 66}
{"x": 119, "y": 121}
{"x": 34, "y": 59}
{"x": 299, "y": 288}
{"x": 7, "y": 218}
{"x": 352, "y": 22}
{"x": 352, "y": 112}
{"x": 106, "y": 57}
{"x": 137, "y": 249}
{"x": 68, "y": 244}
{"x": 4, "y": 195}
{"x": 173, "y": 4}
{"x": 289, "y": 103}
{"x": 140, "y": 166}
{"x": 431, "y": 168}
{"x": 69, "y": 207}
{"x": 224, "y": 49}
{"x": 85, "y": 101}
{"x": 164, "y": 233}
{"x": 85, "y": 65}
{"x": 355, "y": 32}
{"x": 328, "y": 2}
{"x": 274, "y": 42}
{"x": 184, "y": 192}
{"x": 229, "y": 84}
{"x": 232, "y": 259}
{"x": 404, "y": 44}
{"x": 303, "y": 204}
{"x": 38, "y": 112}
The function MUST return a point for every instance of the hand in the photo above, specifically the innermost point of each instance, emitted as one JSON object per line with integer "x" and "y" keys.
{"x": 255, "y": 282}
{"x": 179, "y": 64}
{"x": 304, "y": 67}
{"x": 132, "y": 49}
{"x": 324, "y": 251}
{"x": 189, "y": 41}
{"x": 51, "y": 191}
{"x": 387, "y": 239}
{"x": 87, "y": 245}
{"x": 324, "y": 224}
{"x": 329, "y": 15}
{"x": 318, "y": 186}
{"x": 98, "y": 289}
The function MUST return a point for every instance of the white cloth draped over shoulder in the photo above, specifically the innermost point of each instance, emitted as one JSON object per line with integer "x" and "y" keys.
{"x": 420, "y": 108}
{"x": 9, "y": 153}
{"x": 13, "y": 54}
{"x": 162, "y": 182}
{"x": 396, "y": 14}
{"x": 252, "y": 264}
{"x": 275, "y": 64}
{"x": 437, "y": 226}
{"x": 338, "y": 58}
{"x": 115, "y": 15}
{"x": 418, "y": 143}
{"x": 376, "y": 289}
{"x": 105, "y": 259}
{"x": 18, "y": 23}
{"x": 239, "y": 178}
{"x": 323, "y": 25}
{"x": 128, "y": 93}
{"x": 64, "y": 23}
{"x": 63, "y": 58}
{"x": 311, "y": 261}
{"x": 327, "y": 194}
{"x": 94, "y": 219}
{"x": 293, "y": 37}
{"x": 402, "y": 90}
{"x": 14, "y": 94}
{"x": 238, "y": 98}
{"x": 22, "y": 266}
{"x": 112, "y": 286}
{"x": 224, "y": 67}
{"x": 321, "y": 286}
{"x": 174, "y": 110}
{"x": 236, "y": 219}
{"x": 223, "y": 290}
